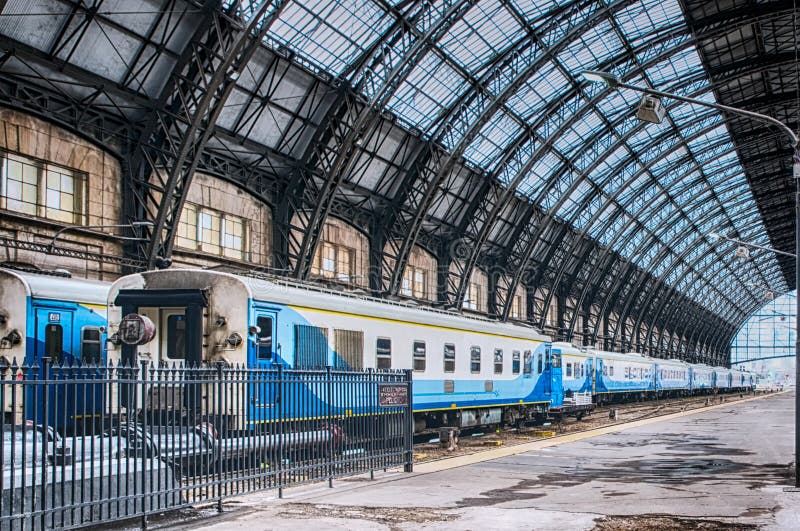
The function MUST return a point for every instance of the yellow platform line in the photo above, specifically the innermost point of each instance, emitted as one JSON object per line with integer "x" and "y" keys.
{"x": 506, "y": 451}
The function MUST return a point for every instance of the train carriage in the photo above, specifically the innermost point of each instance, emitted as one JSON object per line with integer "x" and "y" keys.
{"x": 621, "y": 375}
{"x": 467, "y": 371}
{"x": 577, "y": 368}
{"x": 61, "y": 319}
{"x": 702, "y": 379}
{"x": 672, "y": 377}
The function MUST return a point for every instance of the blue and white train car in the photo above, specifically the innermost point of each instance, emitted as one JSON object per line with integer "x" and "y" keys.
{"x": 62, "y": 319}
{"x": 467, "y": 371}
{"x": 702, "y": 378}
{"x": 672, "y": 376}
{"x": 723, "y": 378}
{"x": 623, "y": 374}
{"x": 577, "y": 368}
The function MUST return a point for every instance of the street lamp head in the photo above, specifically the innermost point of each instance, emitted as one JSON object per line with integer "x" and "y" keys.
{"x": 142, "y": 224}
{"x": 597, "y": 76}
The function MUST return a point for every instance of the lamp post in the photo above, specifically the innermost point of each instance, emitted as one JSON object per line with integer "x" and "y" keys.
{"x": 132, "y": 225}
{"x": 655, "y": 115}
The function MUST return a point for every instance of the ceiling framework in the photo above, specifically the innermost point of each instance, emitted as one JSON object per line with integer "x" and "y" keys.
{"x": 461, "y": 127}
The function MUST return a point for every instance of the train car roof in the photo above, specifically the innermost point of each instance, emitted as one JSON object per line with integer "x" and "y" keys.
{"x": 58, "y": 288}
{"x": 302, "y": 295}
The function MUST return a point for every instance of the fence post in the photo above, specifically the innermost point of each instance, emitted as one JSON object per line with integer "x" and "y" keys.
{"x": 409, "y": 465}
{"x": 329, "y": 422}
{"x": 279, "y": 407}
{"x": 45, "y": 445}
{"x": 145, "y": 446}
{"x": 221, "y": 421}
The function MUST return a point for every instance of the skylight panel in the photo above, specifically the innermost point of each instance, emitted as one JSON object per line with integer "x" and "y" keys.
{"x": 640, "y": 18}
{"x": 485, "y": 30}
{"x": 493, "y": 138}
{"x": 329, "y": 33}
{"x": 680, "y": 65}
{"x": 594, "y": 46}
{"x": 431, "y": 87}
{"x": 527, "y": 100}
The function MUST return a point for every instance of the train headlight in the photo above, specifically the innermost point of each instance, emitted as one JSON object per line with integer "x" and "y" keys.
{"x": 136, "y": 329}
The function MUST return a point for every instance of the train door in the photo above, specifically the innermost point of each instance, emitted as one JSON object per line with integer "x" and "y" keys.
{"x": 556, "y": 388}
{"x": 547, "y": 384}
{"x": 264, "y": 350}
{"x": 592, "y": 374}
{"x": 54, "y": 340}
{"x": 264, "y": 353}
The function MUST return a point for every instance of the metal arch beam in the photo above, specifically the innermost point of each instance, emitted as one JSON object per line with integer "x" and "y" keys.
{"x": 733, "y": 71}
{"x": 622, "y": 142}
{"x": 457, "y": 130}
{"x": 530, "y": 244}
{"x": 666, "y": 249}
{"x": 653, "y": 61}
{"x": 728, "y": 315}
{"x": 622, "y": 208}
{"x": 166, "y": 159}
{"x": 611, "y": 220}
{"x": 688, "y": 269}
{"x": 511, "y": 153}
{"x": 335, "y": 148}
{"x": 645, "y": 274}
{"x": 99, "y": 127}
{"x": 737, "y": 17}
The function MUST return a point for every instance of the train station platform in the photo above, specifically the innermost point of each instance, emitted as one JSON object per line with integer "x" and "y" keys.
{"x": 723, "y": 467}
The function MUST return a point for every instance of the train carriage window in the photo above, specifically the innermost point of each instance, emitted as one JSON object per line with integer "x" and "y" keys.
{"x": 528, "y": 362}
{"x": 54, "y": 343}
{"x": 449, "y": 357}
{"x": 498, "y": 361}
{"x": 627, "y": 372}
{"x": 611, "y": 370}
{"x": 310, "y": 347}
{"x": 569, "y": 370}
{"x": 264, "y": 338}
{"x": 349, "y": 346}
{"x": 419, "y": 356}
{"x": 582, "y": 369}
{"x": 556, "y": 360}
{"x": 515, "y": 362}
{"x": 91, "y": 350}
{"x": 605, "y": 370}
{"x": 383, "y": 353}
{"x": 176, "y": 337}
{"x": 539, "y": 363}
{"x": 475, "y": 359}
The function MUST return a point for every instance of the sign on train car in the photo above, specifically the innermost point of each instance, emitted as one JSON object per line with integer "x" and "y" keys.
{"x": 392, "y": 395}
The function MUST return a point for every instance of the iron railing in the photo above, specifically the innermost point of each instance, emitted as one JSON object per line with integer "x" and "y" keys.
{"x": 86, "y": 445}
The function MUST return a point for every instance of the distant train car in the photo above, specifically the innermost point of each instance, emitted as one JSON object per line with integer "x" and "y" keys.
{"x": 672, "y": 377}
{"x": 723, "y": 378}
{"x": 702, "y": 379}
{"x": 623, "y": 375}
{"x": 467, "y": 371}
{"x": 62, "y": 319}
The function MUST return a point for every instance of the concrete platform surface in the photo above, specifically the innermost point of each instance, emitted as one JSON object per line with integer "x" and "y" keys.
{"x": 723, "y": 468}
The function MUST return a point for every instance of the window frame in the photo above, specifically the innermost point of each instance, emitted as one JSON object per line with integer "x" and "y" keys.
{"x": 416, "y": 357}
{"x": 381, "y": 357}
{"x": 475, "y": 351}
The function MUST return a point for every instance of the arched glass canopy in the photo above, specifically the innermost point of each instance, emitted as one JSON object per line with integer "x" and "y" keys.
{"x": 498, "y": 83}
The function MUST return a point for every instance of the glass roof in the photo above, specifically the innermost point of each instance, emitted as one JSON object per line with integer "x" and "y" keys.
{"x": 500, "y": 85}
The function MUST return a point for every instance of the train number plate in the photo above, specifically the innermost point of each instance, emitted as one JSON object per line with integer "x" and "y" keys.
{"x": 392, "y": 395}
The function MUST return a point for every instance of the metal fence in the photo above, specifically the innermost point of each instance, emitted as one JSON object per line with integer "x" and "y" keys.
{"x": 86, "y": 445}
